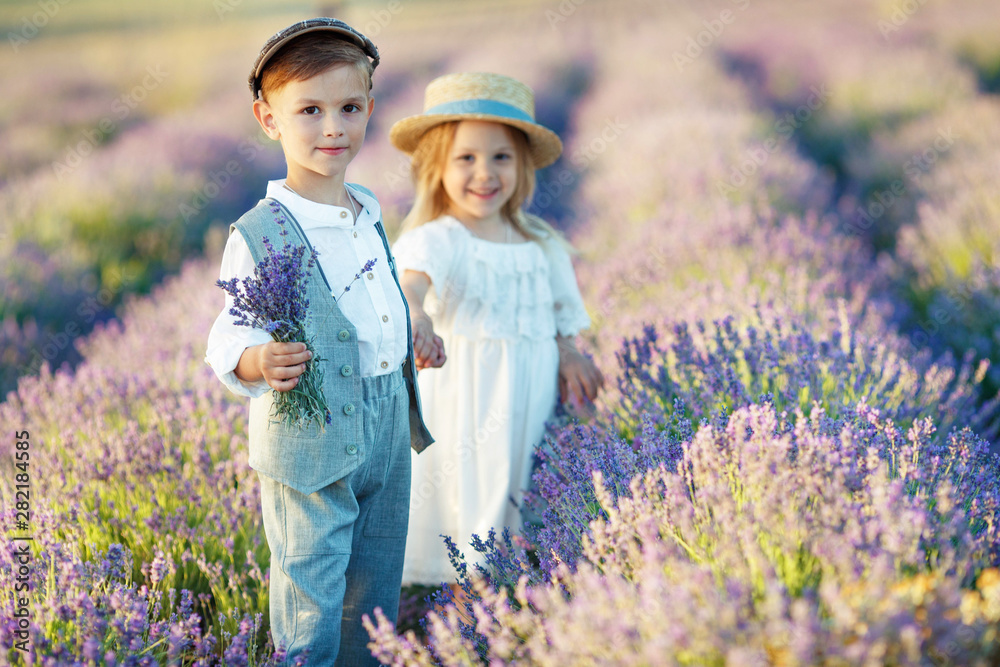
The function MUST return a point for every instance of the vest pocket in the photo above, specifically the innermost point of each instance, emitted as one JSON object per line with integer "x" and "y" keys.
{"x": 306, "y": 459}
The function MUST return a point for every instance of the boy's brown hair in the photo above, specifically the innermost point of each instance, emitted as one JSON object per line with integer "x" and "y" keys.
{"x": 309, "y": 55}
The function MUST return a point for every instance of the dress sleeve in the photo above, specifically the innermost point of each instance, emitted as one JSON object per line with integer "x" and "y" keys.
{"x": 428, "y": 248}
{"x": 570, "y": 313}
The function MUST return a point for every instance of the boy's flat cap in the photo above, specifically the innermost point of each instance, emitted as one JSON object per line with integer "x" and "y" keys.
{"x": 281, "y": 38}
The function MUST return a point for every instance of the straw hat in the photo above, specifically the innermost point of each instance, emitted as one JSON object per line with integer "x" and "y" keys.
{"x": 479, "y": 96}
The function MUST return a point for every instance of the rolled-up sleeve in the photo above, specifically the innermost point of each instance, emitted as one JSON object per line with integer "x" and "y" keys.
{"x": 226, "y": 341}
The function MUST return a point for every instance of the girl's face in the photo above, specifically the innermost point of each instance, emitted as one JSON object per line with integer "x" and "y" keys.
{"x": 480, "y": 172}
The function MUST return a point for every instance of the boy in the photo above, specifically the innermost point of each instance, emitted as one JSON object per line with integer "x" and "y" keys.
{"x": 334, "y": 502}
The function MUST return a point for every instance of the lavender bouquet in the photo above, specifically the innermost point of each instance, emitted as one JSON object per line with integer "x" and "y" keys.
{"x": 274, "y": 299}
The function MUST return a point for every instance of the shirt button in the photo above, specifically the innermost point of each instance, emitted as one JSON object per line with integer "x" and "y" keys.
{"x": 352, "y": 449}
{"x": 385, "y": 318}
{"x": 355, "y": 235}
{"x": 343, "y": 214}
{"x": 344, "y": 334}
{"x": 370, "y": 275}
{"x": 385, "y": 364}
{"x": 346, "y": 370}
{"x": 349, "y": 409}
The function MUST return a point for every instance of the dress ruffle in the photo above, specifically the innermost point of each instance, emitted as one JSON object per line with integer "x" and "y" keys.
{"x": 507, "y": 293}
{"x": 486, "y": 290}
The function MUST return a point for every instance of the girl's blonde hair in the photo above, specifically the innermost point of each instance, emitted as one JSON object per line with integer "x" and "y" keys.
{"x": 431, "y": 201}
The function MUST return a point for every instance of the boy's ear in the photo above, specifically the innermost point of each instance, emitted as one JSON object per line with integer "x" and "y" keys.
{"x": 262, "y": 112}
{"x": 371, "y": 106}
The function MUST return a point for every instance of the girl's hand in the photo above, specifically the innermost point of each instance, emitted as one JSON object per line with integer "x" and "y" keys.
{"x": 428, "y": 349}
{"x": 423, "y": 335}
{"x": 579, "y": 378}
{"x": 436, "y": 360}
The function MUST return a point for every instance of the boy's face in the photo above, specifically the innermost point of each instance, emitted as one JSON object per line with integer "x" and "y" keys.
{"x": 321, "y": 124}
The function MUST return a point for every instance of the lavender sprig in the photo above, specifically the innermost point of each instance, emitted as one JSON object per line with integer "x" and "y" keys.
{"x": 274, "y": 300}
{"x": 369, "y": 265}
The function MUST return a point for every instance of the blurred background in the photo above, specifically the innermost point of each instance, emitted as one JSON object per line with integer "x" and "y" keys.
{"x": 128, "y": 145}
{"x": 776, "y": 201}
{"x": 119, "y": 122}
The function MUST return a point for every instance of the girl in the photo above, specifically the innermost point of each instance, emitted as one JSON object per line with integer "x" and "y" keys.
{"x": 498, "y": 287}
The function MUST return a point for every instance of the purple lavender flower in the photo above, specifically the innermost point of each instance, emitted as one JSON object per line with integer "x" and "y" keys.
{"x": 274, "y": 300}
{"x": 357, "y": 276}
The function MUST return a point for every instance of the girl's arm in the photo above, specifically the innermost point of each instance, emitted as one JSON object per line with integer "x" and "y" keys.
{"x": 427, "y": 346}
{"x": 579, "y": 378}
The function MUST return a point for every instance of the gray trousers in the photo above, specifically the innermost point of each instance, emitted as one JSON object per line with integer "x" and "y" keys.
{"x": 337, "y": 554}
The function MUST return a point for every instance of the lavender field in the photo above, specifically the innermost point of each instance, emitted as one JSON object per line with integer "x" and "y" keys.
{"x": 788, "y": 218}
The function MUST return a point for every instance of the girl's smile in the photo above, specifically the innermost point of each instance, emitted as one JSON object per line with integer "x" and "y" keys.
{"x": 480, "y": 173}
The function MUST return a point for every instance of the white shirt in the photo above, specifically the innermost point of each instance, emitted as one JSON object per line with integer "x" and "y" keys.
{"x": 374, "y": 304}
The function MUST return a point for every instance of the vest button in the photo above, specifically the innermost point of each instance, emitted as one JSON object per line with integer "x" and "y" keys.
{"x": 385, "y": 364}
{"x": 344, "y": 334}
{"x": 385, "y": 318}
{"x": 349, "y": 409}
{"x": 371, "y": 275}
{"x": 346, "y": 370}
{"x": 352, "y": 449}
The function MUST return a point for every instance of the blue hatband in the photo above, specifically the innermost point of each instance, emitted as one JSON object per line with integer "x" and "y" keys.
{"x": 490, "y": 107}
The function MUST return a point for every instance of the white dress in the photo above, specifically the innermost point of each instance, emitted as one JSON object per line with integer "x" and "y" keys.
{"x": 498, "y": 308}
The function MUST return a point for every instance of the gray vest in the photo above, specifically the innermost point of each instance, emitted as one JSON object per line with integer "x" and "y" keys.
{"x": 307, "y": 459}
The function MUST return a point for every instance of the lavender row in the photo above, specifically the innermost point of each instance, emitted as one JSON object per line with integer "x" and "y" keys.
{"x": 142, "y": 452}
{"x": 809, "y": 329}
{"x": 913, "y": 142}
{"x": 808, "y": 332}
{"x": 88, "y": 609}
{"x": 762, "y": 539}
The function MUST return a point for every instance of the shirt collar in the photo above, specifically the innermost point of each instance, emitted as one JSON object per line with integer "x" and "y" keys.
{"x": 311, "y": 214}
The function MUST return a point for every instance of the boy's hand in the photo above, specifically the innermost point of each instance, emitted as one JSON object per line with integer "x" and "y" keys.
{"x": 579, "y": 378}
{"x": 280, "y": 364}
